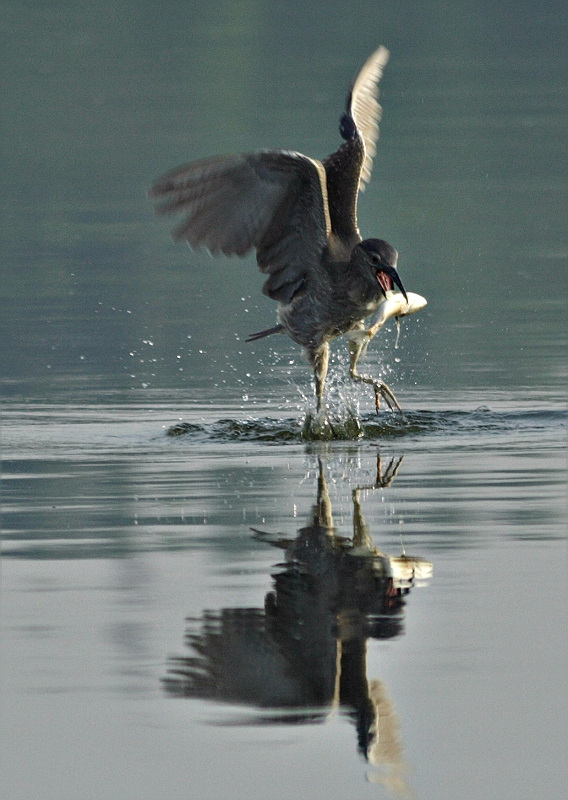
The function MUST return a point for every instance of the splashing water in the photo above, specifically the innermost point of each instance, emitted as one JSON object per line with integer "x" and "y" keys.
{"x": 326, "y": 426}
{"x": 330, "y": 425}
{"x": 398, "y": 329}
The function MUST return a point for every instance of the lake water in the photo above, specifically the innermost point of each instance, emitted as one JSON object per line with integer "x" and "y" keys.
{"x": 197, "y": 600}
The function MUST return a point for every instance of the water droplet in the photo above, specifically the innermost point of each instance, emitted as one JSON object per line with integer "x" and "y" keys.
{"x": 398, "y": 327}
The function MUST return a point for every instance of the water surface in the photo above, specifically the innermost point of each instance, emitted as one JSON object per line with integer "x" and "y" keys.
{"x": 237, "y": 610}
{"x": 179, "y": 608}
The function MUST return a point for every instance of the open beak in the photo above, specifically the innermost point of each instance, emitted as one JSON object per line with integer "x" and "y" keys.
{"x": 386, "y": 276}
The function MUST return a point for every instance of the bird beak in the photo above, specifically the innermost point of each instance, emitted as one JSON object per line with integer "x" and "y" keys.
{"x": 398, "y": 282}
{"x": 386, "y": 273}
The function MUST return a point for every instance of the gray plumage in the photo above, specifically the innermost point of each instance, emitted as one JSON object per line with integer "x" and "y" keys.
{"x": 300, "y": 215}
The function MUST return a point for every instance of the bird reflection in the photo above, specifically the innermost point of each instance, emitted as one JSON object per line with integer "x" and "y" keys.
{"x": 303, "y": 656}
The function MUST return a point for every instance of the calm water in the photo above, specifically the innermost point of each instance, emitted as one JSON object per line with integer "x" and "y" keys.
{"x": 197, "y": 601}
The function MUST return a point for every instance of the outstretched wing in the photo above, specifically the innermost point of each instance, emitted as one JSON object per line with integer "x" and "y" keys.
{"x": 349, "y": 168}
{"x": 365, "y": 109}
{"x": 274, "y": 201}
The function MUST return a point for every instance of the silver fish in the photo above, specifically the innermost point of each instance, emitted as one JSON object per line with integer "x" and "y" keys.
{"x": 394, "y": 305}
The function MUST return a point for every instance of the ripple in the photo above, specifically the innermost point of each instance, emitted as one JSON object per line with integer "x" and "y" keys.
{"x": 258, "y": 430}
{"x": 350, "y": 427}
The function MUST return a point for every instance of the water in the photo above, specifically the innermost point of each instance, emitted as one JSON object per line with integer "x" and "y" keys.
{"x": 120, "y": 542}
{"x": 199, "y": 599}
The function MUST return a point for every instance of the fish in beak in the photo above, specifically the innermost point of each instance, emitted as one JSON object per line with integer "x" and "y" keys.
{"x": 387, "y": 276}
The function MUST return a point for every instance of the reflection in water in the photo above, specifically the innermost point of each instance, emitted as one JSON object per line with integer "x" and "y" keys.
{"x": 304, "y": 655}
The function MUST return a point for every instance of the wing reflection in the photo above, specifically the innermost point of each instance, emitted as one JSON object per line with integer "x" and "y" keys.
{"x": 304, "y": 655}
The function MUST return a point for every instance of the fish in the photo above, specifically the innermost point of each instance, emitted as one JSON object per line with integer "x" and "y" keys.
{"x": 394, "y": 305}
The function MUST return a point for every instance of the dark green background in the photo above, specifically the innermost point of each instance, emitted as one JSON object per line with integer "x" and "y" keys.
{"x": 469, "y": 183}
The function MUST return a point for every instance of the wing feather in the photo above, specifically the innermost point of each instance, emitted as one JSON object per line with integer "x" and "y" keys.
{"x": 365, "y": 108}
{"x": 295, "y": 211}
{"x": 349, "y": 168}
{"x": 274, "y": 201}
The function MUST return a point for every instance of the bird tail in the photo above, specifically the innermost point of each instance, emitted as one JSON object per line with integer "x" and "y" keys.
{"x": 261, "y": 334}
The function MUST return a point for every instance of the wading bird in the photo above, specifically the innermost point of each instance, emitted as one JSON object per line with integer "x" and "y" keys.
{"x": 301, "y": 217}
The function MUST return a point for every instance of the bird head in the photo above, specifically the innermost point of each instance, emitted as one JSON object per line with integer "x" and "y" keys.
{"x": 381, "y": 258}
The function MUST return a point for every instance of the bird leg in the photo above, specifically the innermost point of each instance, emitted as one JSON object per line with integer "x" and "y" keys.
{"x": 356, "y": 346}
{"x": 319, "y": 359}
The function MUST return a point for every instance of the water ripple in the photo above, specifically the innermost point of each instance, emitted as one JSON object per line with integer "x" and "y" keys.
{"x": 373, "y": 426}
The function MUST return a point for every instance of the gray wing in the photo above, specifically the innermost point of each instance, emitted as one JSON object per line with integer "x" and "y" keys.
{"x": 274, "y": 201}
{"x": 349, "y": 168}
{"x": 365, "y": 108}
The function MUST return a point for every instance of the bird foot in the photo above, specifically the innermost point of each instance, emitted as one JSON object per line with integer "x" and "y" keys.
{"x": 381, "y": 390}
{"x": 326, "y": 426}
{"x": 318, "y": 427}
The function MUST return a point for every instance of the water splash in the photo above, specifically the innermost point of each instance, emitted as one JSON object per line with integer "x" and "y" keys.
{"x": 326, "y": 427}
{"x": 398, "y": 330}
{"x": 333, "y": 426}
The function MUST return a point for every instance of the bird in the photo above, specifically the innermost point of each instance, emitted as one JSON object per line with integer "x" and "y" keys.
{"x": 300, "y": 215}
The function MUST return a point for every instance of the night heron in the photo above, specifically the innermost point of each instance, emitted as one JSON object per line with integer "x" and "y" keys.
{"x": 301, "y": 217}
